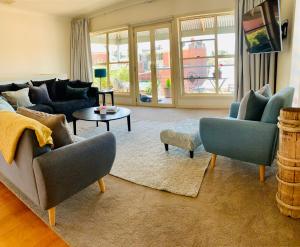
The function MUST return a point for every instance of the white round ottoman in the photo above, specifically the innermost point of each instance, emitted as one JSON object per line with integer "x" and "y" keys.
{"x": 184, "y": 135}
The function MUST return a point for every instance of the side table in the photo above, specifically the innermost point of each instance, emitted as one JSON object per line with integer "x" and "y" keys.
{"x": 109, "y": 92}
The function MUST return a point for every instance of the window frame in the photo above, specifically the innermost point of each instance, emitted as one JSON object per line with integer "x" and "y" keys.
{"x": 216, "y": 57}
{"x": 108, "y": 64}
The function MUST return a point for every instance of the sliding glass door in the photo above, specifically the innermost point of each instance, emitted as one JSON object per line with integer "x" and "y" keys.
{"x": 153, "y": 66}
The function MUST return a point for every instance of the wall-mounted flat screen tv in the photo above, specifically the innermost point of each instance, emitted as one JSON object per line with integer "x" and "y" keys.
{"x": 262, "y": 28}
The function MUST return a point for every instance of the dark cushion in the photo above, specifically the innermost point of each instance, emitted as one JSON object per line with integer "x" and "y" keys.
{"x": 252, "y": 106}
{"x": 51, "y": 84}
{"x": 93, "y": 95}
{"x": 79, "y": 84}
{"x": 16, "y": 87}
{"x": 42, "y": 108}
{"x": 60, "y": 90}
{"x": 6, "y": 87}
{"x": 39, "y": 95}
{"x": 65, "y": 80}
{"x": 93, "y": 101}
{"x": 77, "y": 93}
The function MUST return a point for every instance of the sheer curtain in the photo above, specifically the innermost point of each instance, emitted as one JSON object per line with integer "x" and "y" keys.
{"x": 81, "y": 58}
{"x": 252, "y": 71}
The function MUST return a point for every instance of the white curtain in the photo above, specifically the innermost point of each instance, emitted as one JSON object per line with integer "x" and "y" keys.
{"x": 252, "y": 71}
{"x": 81, "y": 58}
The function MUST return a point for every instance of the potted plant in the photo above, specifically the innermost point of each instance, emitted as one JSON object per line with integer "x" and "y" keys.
{"x": 167, "y": 89}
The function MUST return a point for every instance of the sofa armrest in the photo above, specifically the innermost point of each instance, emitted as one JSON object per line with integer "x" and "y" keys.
{"x": 94, "y": 93}
{"x": 234, "y": 109}
{"x": 65, "y": 171}
{"x": 249, "y": 141}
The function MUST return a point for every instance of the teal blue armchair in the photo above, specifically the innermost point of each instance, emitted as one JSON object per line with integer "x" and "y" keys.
{"x": 249, "y": 141}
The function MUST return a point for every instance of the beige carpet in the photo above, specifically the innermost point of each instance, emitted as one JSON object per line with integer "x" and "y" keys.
{"x": 232, "y": 209}
{"x": 141, "y": 158}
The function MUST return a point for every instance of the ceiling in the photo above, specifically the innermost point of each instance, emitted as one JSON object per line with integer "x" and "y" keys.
{"x": 70, "y": 8}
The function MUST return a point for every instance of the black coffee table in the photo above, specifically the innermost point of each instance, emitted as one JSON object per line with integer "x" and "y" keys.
{"x": 88, "y": 114}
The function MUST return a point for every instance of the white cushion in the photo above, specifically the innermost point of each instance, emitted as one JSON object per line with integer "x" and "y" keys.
{"x": 18, "y": 98}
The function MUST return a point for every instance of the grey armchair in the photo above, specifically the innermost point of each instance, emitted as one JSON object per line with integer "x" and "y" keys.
{"x": 249, "y": 141}
{"x": 48, "y": 177}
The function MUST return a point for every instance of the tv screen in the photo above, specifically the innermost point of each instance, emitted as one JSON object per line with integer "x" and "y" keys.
{"x": 262, "y": 28}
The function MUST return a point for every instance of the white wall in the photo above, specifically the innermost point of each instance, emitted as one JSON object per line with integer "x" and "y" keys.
{"x": 162, "y": 10}
{"x": 289, "y": 58}
{"x": 285, "y": 57}
{"x": 33, "y": 45}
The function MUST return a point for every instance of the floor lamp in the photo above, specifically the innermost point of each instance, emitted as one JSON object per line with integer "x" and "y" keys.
{"x": 100, "y": 73}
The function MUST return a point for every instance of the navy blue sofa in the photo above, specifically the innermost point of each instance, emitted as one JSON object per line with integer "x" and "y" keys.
{"x": 57, "y": 91}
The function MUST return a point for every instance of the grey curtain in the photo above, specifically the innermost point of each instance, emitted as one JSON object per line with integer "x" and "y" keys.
{"x": 81, "y": 58}
{"x": 252, "y": 71}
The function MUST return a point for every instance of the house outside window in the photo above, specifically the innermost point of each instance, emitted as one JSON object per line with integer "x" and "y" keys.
{"x": 207, "y": 45}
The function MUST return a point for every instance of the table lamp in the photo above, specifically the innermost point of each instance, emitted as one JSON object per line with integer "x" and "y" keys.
{"x": 100, "y": 73}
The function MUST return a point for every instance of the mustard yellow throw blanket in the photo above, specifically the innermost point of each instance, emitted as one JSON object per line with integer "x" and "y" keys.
{"x": 12, "y": 126}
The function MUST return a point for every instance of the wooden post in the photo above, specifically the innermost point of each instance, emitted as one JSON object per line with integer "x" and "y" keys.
{"x": 288, "y": 162}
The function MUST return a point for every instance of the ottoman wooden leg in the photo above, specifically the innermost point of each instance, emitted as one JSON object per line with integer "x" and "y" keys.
{"x": 167, "y": 147}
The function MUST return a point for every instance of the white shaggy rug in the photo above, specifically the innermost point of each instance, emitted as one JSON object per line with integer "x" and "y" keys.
{"x": 141, "y": 158}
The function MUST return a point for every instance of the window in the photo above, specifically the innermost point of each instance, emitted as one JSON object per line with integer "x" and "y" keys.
{"x": 110, "y": 51}
{"x": 207, "y": 54}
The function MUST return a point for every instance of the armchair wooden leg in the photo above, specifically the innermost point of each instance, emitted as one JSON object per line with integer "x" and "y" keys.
{"x": 262, "y": 171}
{"x": 213, "y": 160}
{"x": 51, "y": 214}
{"x": 101, "y": 185}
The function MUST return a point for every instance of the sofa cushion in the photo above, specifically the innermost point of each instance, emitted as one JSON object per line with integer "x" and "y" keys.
{"x": 17, "y": 86}
{"x": 77, "y": 93}
{"x": 60, "y": 90}
{"x": 70, "y": 106}
{"x": 42, "y": 108}
{"x": 265, "y": 91}
{"x": 51, "y": 84}
{"x": 283, "y": 98}
{"x": 93, "y": 101}
{"x": 6, "y": 87}
{"x": 39, "y": 95}
{"x": 79, "y": 84}
{"x": 252, "y": 106}
{"x": 57, "y": 123}
{"x": 5, "y": 106}
{"x": 18, "y": 98}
